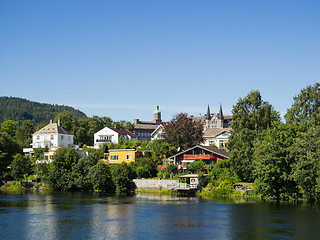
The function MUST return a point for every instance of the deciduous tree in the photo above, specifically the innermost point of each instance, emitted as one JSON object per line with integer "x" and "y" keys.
{"x": 305, "y": 105}
{"x": 251, "y": 115}
{"x": 19, "y": 167}
{"x": 273, "y": 162}
{"x": 182, "y": 131}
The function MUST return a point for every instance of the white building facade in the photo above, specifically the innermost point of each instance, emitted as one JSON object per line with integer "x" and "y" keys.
{"x": 52, "y": 135}
{"x": 112, "y": 135}
{"x": 157, "y": 133}
{"x": 217, "y": 136}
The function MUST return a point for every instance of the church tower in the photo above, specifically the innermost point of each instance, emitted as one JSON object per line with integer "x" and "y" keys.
{"x": 157, "y": 115}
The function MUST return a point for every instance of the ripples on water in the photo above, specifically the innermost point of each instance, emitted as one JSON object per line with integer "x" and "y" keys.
{"x": 93, "y": 216}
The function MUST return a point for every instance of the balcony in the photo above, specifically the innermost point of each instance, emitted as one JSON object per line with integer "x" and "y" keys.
{"x": 198, "y": 157}
{"x": 103, "y": 140}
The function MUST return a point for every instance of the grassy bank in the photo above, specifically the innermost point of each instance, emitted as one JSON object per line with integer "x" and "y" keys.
{"x": 237, "y": 191}
{"x": 16, "y": 186}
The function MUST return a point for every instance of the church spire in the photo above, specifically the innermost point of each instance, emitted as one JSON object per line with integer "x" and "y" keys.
{"x": 220, "y": 112}
{"x": 208, "y": 113}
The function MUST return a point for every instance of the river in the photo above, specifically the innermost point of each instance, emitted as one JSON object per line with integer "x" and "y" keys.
{"x": 144, "y": 216}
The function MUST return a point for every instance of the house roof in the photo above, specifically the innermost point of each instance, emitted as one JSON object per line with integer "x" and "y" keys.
{"x": 124, "y": 132}
{"x": 157, "y": 130}
{"x": 208, "y": 148}
{"x": 198, "y": 119}
{"x": 212, "y": 132}
{"x": 146, "y": 125}
{"x": 202, "y": 118}
{"x": 53, "y": 128}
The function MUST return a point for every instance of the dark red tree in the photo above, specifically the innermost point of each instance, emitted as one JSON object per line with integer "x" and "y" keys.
{"x": 182, "y": 131}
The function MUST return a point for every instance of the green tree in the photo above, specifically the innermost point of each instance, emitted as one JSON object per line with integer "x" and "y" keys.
{"x": 159, "y": 149}
{"x": 182, "y": 131}
{"x": 60, "y": 172}
{"x": 251, "y": 115}
{"x": 41, "y": 170}
{"x": 273, "y": 162}
{"x": 80, "y": 172}
{"x": 9, "y": 127}
{"x": 24, "y": 134}
{"x": 196, "y": 166}
{"x": 146, "y": 168}
{"x": 305, "y": 105}
{"x": 101, "y": 178}
{"x": 221, "y": 175}
{"x": 307, "y": 163}
{"x": 8, "y": 149}
{"x": 67, "y": 120}
{"x": 20, "y": 166}
{"x": 122, "y": 176}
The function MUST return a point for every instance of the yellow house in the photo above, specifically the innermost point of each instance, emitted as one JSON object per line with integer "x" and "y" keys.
{"x": 117, "y": 156}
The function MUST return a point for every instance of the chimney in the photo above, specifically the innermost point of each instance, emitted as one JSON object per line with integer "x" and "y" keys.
{"x": 59, "y": 123}
{"x": 50, "y": 121}
{"x": 135, "y": 121}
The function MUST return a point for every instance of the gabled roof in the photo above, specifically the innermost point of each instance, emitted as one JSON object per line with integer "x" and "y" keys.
{"x": 157, "y": 129}
{"x": 124, "y": 132}
{"x": 212, "y": 132}
{"x": 53, "y": 128}
{"x": 210, "y": 149}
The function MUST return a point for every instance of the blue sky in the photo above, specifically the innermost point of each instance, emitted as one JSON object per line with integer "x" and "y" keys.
{"x": 122, "y": 58}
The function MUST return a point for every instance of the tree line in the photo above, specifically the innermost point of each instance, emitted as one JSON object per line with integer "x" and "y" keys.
{"x": 282, "y": 159}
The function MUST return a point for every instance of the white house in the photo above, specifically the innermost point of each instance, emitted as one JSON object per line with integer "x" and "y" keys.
{"x": 157, "y": 133}
{"x": 217, "y": 136}
{"x": 52, "y": 136}
{"x": 112, "y": 135}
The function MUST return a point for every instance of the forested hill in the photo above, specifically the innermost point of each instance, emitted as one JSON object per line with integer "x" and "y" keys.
{"x": 18, "y": 109}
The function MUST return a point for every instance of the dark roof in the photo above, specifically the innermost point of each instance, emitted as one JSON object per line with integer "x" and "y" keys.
{"x": 124, "y": 132}
{"x": 198, "y": 119}
{"x": 208, "y": 113}
{"x": 210, "y": 149}
{"x": 220, "y": 112}
{"x": 216, "y": 150}
{"x": 53, "y": 128}
{"x": 146, "y": 125}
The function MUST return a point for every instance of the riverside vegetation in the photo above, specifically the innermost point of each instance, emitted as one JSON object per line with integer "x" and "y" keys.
{"x": 281, "y": 159}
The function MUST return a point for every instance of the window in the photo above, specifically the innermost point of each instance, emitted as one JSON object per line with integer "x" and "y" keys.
{"x": 62, "y": 137}
{"x": 128, "y": 157}
{"x": 38, "y": 137}
{"x": 51, "y": 137}
{"x": 114, "y": 157}
{"x": 69, "y": 138}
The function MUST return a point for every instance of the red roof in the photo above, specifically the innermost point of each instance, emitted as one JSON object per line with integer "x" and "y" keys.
{"x": 124, "y": 132}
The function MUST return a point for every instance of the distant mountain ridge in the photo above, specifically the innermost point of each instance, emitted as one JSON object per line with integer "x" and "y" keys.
{"x": 19, "y": 109}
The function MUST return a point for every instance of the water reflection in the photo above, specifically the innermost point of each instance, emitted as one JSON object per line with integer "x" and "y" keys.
{"x": 145, "y": 216}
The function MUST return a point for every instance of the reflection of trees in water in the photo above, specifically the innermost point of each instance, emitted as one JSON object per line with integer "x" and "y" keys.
{"x": 282, "y": 221}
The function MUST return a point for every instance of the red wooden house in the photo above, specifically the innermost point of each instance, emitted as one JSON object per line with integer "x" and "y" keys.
{"x": 207, "y": 154}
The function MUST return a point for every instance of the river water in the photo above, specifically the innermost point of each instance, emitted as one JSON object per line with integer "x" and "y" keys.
{"x": 144, "y": 216}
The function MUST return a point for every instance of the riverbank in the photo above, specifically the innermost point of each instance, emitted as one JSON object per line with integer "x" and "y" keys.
{"x": 16, "y": 186}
